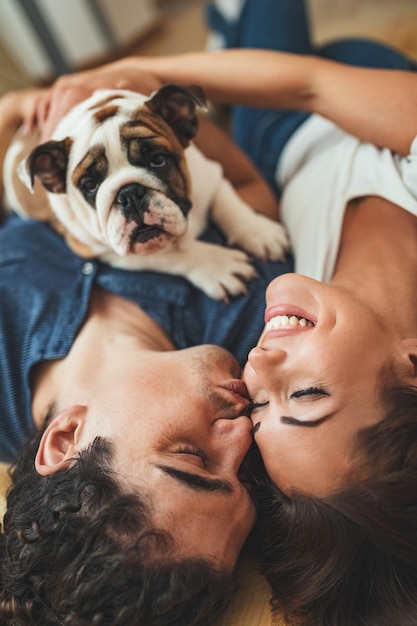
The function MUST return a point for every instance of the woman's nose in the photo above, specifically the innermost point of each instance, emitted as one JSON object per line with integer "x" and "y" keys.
{"x": 264, "y": 362}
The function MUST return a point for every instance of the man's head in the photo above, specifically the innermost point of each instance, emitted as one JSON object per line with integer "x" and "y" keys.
{"x": 176, "y": 423}
{"x": 80, "y": 549}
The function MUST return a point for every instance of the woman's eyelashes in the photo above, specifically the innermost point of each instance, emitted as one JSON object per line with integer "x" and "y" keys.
{"x": 309, "y": 391}
{"x": 316, "y": 392}
{"x": 252, "y": 406}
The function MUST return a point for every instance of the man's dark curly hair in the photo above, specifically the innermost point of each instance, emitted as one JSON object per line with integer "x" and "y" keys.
{"x": 349, "y": 559}
{"x": 77, "y": 550}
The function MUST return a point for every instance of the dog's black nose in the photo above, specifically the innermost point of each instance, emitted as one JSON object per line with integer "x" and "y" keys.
{"x": 131, "y": 200}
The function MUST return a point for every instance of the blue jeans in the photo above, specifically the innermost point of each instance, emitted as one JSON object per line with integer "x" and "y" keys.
{"x": 284, "y": 25}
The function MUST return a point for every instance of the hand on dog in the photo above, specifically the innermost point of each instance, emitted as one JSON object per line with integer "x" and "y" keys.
{"x": 71, "y": 89}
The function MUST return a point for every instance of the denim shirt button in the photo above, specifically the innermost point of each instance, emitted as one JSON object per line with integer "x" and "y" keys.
{"x": 87, "y": 268}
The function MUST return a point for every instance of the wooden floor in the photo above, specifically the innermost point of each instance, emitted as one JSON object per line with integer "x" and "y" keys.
{"x": 391, "y": 21}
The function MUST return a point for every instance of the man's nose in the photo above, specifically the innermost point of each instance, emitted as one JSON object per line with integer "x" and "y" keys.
{"x": 234, "y": 438}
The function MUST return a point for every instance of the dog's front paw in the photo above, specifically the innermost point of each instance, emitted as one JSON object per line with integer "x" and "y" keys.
{"x": 262, "y": 237}
{"x": 221, "y": 272}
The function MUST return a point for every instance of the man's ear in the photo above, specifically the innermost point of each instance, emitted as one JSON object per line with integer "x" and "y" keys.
{"x": 409, "y": 353}
{"x": 58, "y": 444}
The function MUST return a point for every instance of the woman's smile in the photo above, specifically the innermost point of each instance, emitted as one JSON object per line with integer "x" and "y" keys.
{"x": 291, "y": 321}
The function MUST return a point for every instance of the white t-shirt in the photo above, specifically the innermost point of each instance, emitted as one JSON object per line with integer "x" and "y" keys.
{"x": 320, "y": 170}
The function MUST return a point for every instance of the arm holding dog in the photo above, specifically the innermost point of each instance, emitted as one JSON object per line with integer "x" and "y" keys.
{"x": 382, "y": 103}
{"x": 52, "y": 104}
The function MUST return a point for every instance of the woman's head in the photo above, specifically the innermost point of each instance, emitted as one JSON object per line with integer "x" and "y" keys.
{"x": 337, "y": 526}
{"x": 316, "y": 375}
{"x": 351, "y": 557}
{"x": 78, "y": 549}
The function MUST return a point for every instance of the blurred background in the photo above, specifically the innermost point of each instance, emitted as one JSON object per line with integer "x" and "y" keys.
{"x": 40, "y": 39}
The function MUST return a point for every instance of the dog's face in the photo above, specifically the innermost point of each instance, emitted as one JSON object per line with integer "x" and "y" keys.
{"x": 116, "y": 168}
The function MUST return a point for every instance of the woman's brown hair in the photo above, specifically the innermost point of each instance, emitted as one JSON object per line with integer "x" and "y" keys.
{"x": 349, "y": 559}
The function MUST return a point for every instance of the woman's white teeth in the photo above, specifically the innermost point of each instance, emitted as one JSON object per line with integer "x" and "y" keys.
{"x": 287, "y": 321}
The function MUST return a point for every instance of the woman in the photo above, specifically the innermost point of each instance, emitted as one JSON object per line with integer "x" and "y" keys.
{"x": 333, "y": 378}
{"x": 334, "y": 373}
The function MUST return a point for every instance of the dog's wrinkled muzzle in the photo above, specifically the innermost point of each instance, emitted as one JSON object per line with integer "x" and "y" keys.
{"x": 143, "y": 220}
{"x": 134, "y": 203}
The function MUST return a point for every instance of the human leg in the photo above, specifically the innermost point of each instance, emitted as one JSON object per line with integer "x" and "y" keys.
{"x": 367, "y": 53}
{"x": 267, "y": 24}
{"x": 262, "y": 133}
{"x": 272, "y": 25}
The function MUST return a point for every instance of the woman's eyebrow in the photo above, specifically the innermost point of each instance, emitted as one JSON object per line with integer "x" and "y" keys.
{"x": 292, "y": 421}
{"x": 197, "y": 482}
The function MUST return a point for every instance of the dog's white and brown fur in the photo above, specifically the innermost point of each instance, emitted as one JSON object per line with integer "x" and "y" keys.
{"x": 121, "y": 176}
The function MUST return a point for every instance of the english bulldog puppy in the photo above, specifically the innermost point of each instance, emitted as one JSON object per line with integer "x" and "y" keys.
{"x": 121, "y": 180}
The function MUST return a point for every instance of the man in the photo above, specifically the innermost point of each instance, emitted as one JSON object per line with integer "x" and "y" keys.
{"x": 126, "y": 506}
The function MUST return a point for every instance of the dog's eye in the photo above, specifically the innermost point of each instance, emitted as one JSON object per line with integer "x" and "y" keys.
{"x": 89, "y": 186}
{"x": 158, "y": 159}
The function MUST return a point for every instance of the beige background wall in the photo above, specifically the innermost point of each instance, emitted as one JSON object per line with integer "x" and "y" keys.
{"x": 179, "y": 27}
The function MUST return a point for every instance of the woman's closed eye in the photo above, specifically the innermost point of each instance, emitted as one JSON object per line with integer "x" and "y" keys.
{"x": 309, "y": 394}
{"x": 306, "y": 394}
{"x": 252, "y": 406}
{"x": 309, "y": 391}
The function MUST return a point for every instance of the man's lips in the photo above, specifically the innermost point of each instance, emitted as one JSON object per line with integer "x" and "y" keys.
{"x": 240, "y": 395}
{"x": 238, "y": 388}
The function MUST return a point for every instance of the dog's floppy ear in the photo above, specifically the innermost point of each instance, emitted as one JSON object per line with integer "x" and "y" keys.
{"x": 177, "y": 106}
{"x": 48, "y": 162}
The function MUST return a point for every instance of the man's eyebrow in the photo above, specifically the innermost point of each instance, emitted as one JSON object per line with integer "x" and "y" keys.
{"x": 292, "y": 421}
{"x": 197, "y": 482}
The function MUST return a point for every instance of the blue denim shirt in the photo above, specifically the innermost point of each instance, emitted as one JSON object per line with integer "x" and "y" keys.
{"x": 44, "y": 294}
